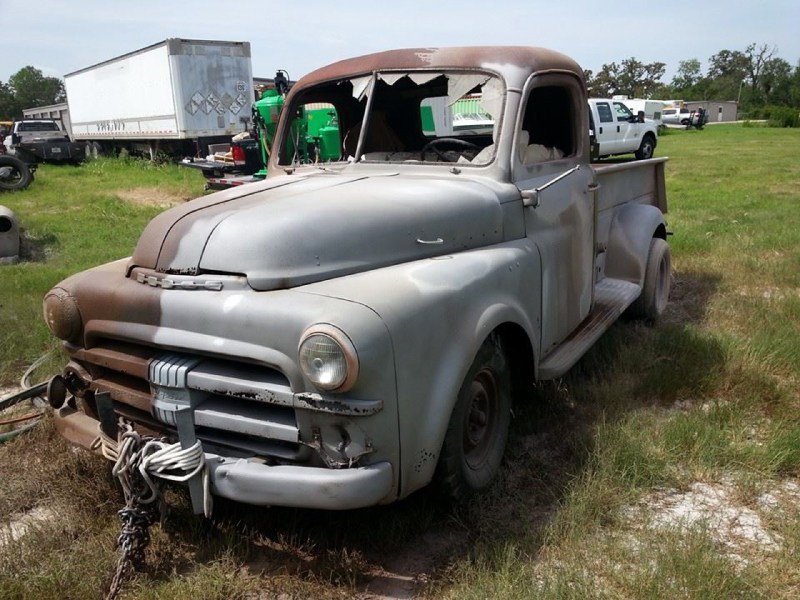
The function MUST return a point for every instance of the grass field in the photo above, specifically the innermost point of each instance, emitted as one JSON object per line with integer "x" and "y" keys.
{"x": 665, "y": 465}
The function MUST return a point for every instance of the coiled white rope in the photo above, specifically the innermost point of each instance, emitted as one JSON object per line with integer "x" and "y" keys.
{"x": 170, "y": 461}
{"x": 152, "y": 457}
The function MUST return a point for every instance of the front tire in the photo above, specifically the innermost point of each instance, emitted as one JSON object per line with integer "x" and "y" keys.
{"x": 652, "y": 302}
{"x": 476, "y": 435}
{"x": 646, "y": 148}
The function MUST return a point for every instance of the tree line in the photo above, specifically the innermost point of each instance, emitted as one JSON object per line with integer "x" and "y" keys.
{"x": 754, "y": 77}
{"x": 28, "y": 88}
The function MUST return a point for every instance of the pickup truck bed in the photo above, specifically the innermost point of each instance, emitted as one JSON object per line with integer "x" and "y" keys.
{"x": 43, "y": 140}
{"x": 634, "y": 182}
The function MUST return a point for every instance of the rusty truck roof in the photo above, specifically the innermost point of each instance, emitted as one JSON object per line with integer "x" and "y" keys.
{"x": 514, "y": 63}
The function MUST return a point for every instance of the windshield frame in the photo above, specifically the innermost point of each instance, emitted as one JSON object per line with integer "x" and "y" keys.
{"x": 372, "y": 87}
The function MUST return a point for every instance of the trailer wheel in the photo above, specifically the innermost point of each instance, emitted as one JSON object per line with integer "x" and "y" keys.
{"x": 14, "y": 174}
{"x": 647, "y": 148}
{"x": 657, "y": 280}
{"x": 476, "y": 435}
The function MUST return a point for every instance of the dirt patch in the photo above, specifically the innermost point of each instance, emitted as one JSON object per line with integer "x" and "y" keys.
{"x": 689, "y": 298}
{"x": 739, "y": 530}
{"x": 151, "y": 197}
{"x": 404, "y": 574}
{"x": 20, "y": 524}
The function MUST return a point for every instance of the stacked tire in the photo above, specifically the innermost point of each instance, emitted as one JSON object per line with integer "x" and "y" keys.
{"x": 14, "y": 174}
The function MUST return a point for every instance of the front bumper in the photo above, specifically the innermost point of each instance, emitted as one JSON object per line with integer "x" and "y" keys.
{"x": 260, "y": 484}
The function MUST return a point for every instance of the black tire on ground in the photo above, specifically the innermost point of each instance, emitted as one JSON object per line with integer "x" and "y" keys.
{"x": 476, "y": 435}
{"x": 16, "y": 174}
{"x": 657, "y": 280}
{"x": 646, "y": 148}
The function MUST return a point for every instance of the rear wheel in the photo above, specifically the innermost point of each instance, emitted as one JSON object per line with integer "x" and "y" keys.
{"x": 652, "y": 302}
{"x": 476, "y": 435}
{"x": 14, "y": 174}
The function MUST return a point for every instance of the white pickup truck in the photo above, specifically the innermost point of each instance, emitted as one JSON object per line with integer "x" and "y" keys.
{"x": 614, "y": 129}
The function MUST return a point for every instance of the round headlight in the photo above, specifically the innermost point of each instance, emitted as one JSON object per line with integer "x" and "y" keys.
{"x": 61, "y": 314}
{"x": 328, "y": 358}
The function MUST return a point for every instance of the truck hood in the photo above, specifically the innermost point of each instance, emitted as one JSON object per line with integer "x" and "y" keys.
{"x": 295, "y": 230}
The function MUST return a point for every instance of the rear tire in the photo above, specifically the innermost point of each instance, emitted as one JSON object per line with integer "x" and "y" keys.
{"x": 15, "y": 174}
{"x": 476, "y": 435}
{"x": 652, "y": 302}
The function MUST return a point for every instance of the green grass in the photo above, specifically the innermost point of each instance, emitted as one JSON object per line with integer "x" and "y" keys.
{"x": 708, "y": 395}
{"x": 74, "y": 218}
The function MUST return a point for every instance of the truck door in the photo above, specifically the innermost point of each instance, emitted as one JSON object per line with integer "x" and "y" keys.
{"x": 551, "y": 140}
{"x": 605, "y": 127}
{"x": 628, "y": 132}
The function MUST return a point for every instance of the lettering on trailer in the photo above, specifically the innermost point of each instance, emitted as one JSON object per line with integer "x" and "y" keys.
{"x": 110, "y": 125}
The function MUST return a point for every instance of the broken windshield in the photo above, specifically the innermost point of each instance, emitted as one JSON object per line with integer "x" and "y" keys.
{"x": 417, "y": 116}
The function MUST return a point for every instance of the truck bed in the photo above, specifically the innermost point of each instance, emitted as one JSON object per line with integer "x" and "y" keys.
{"x": 639, "y": 181}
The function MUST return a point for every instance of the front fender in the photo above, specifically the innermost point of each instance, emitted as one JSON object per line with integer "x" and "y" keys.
{"x": 438, "y": 313}
{"x": 632, "y": 229}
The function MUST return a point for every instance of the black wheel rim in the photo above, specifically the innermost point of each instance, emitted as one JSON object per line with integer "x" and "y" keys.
{"x": 480, "y": 420}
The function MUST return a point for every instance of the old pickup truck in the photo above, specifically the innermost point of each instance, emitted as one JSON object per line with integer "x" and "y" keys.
{"x": 345, "y": 332}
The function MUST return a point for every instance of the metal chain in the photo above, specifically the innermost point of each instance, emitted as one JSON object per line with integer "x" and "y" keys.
{"x": 141, "y": 509}
{"x": 136, "y": 458}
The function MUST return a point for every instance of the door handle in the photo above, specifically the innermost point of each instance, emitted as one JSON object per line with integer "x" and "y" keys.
{"x": 617, "y": 128}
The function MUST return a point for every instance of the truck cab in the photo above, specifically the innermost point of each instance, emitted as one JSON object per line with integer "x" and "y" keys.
{"x": 616, "y": 130}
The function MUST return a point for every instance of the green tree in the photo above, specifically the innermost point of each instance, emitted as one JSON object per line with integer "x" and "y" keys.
{"x": 689, "y": 82}
{"x": 775, "y": 82}
{"x": 631, "y": 77}
{"x": 31, "y": 88}
{"x": 727, "y": 73}
{"x": 794, "y": 86}
{"x": 8, "y": 103}
{"x": 688, "y": 74}
{"x": 757, "y": 59}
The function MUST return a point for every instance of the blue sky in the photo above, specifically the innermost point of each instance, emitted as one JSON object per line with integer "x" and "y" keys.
{"x": 61, "y": 36}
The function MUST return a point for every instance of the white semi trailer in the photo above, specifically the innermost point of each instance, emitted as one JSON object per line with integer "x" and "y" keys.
{"x": 177, "y": 96}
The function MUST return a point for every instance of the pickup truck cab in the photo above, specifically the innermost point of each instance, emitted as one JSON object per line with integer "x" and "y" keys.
{"x": 616, "y": 130}
{"x": 42, "y": 140}
{"x": 347, "y": 331}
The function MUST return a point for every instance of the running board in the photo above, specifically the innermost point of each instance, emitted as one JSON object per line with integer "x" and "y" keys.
{"x": 611, "y": 298}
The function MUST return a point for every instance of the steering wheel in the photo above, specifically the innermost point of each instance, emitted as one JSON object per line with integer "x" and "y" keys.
{"x": 432, "y": 145}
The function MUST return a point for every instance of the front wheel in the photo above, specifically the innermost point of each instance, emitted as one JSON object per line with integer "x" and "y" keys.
{"x": 652, "y": 302}
{"x": 476, "y": 435}
{"x": 646, "y": 148}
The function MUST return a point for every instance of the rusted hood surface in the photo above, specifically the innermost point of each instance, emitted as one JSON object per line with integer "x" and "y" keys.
{"x": 305, "y": 230}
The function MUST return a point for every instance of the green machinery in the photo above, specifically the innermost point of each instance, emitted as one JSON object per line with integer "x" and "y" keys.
{"x": 315, "y": 133}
